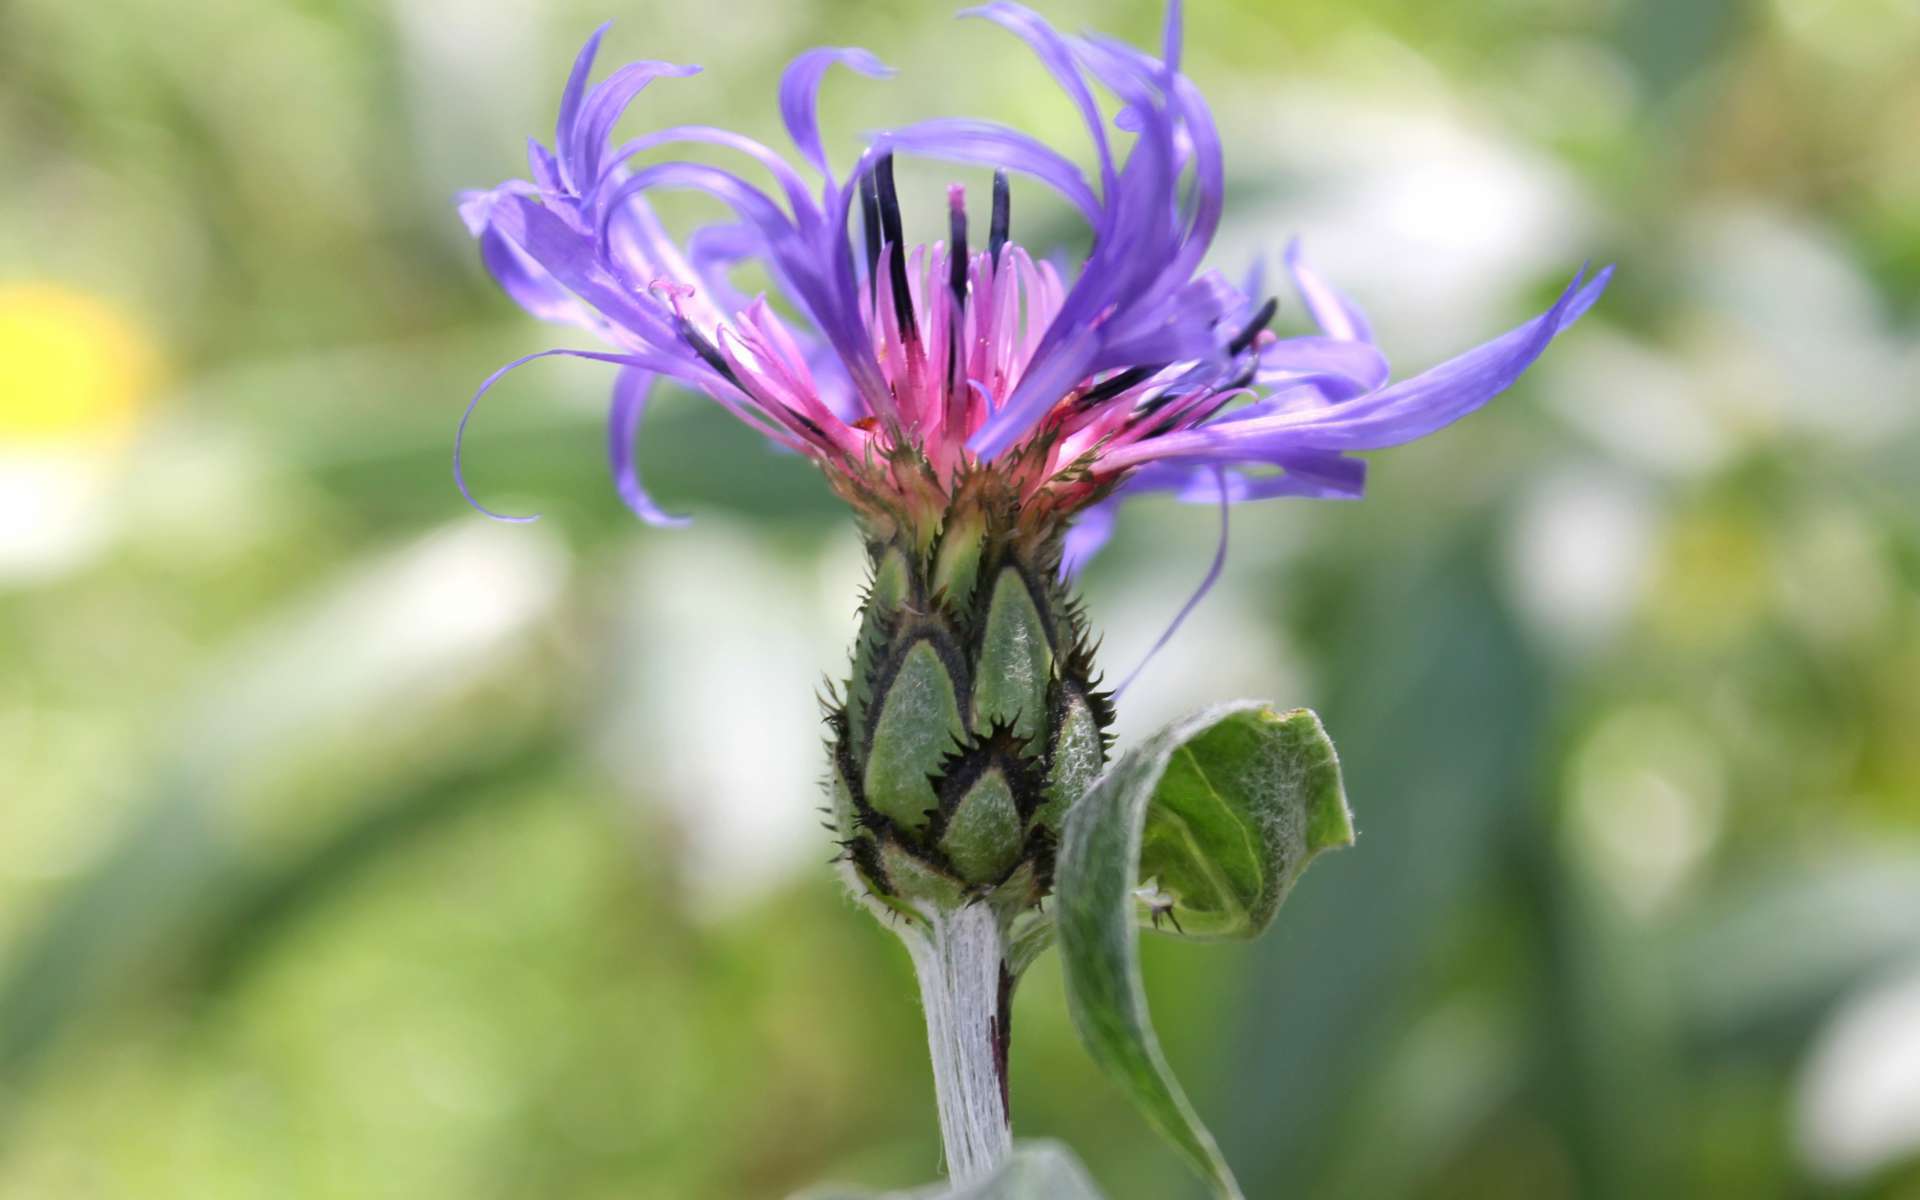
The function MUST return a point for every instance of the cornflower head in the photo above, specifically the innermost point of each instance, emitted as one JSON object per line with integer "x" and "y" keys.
{"x": 908, "y": 370}
{"x": 983, "y": 409}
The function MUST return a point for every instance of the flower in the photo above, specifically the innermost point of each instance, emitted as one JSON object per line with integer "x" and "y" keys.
{"x": 908, "y": 369}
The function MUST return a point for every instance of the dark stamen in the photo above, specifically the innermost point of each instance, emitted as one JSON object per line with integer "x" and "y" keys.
{"x": 1002, "y": 216}
{"x": 1172, "y": 421}
{"x": 957, "y": 266}
{"x": 889, "y": 200}
{"x": 808, "y": 423}
{"x": 708, "y": 352}
{"x": 1260, "y": 321}
{"x": 870, "y": 221}
{"x": 1203, "y": 411}
{"x": 957, "y": 243}
{"x": 1100, "y": 393}
{"x": 1147, "y": 408}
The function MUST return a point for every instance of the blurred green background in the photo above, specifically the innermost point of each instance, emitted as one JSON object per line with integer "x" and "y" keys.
{"x": 351, "y": 846}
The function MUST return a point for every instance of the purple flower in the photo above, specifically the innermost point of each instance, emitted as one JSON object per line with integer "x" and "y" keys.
{"x": 906, "y": 366}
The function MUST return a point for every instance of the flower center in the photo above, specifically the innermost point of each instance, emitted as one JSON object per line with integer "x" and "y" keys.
{"x": 953, "y": 329}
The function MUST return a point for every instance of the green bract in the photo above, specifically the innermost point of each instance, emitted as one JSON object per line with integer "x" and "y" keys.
{"x": 970, "y": 722}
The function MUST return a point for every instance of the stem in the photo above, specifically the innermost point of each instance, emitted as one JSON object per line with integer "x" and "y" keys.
{"x": 965, "y": 987}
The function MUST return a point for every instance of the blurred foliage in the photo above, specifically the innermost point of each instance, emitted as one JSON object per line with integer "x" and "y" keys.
{"x": 350, "y": 849}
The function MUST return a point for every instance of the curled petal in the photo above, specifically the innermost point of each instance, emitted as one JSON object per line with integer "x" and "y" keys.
{"x": 716, "y": 247}
{"x": 1337, "y": 316}
{"x": 800, "y": 94}
{"x": 631, "y": 391}
{"x": 712, "y": 250}
{"x": 984, "y": 143}
{"x": 1163, "y": 101}
{"x": 602, "y": 110}
{"x": 798, "y": 198}
{"x": 576, "y": 89}
{"x": 797, "y": 260}
{"x": 572, "y": 259}
{"x": 1200, "y": 593}
{"x": 486, "y": 385}
{"x": 1295, "y": 397}
{"x": 778, "y": 237}
{"x": 1255, "y": 284}
{"x": 1057, "y": 57}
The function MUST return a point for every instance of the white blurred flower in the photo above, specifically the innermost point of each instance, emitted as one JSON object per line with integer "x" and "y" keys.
{"x": 721, "y": 646}
{"x": 1857, "y": 1108}
{"x": 1577, "y": 557}
{"x": 1381, "y": 186}
{"x": 405, "y": 626}
{"x": 1793, "y": 338}
{"x": 1648, "y": 791}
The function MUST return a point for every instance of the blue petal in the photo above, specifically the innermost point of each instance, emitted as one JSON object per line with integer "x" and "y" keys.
{"x": 1054, "y": 54}
{"x": 798, "y": 198}
{"x": 1337, "y": 316}
{"x": 630, "y": 394}
{"x": 529, "y": 284}
{"x": 1394, "y": 415}
{"x": 1206, "y": 585}
{"x": 572, "y": 258}
{"x": 1341, "y": 369}
{"x": 1435, "y": 398}
{"x": 1089, "y": 534}
{"x": 460, "y": 431}
{"x": 984, "y": 143}
{"x": 800, "y": 95}
{"x": 576, "y": 91}
{"x": 602, "y": 110}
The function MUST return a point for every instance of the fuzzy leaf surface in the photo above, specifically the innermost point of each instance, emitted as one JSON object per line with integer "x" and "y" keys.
{"x": 1220, "y": 812}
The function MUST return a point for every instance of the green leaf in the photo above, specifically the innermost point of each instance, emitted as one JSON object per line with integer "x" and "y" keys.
{"x": 1036, "y": 1171}
{"x": 1221, "y": 811}
{"x": 1239, "y": 810}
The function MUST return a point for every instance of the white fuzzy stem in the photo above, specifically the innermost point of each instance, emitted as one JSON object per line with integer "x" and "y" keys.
{"x": 958, "y": 958}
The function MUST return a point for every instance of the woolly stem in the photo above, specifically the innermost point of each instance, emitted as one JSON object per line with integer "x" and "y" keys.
{"x": 965, "y": 987}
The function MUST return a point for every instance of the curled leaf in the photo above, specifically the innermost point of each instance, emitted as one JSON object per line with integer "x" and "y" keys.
{"x": 1216, "y": 815}
{"x": 1239, "y": 810}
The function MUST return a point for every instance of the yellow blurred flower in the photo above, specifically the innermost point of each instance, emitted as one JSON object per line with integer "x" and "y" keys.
{"x": 73, "y": 367}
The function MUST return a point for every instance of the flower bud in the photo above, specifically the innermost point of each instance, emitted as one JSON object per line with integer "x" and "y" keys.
{"x": 972, "y": 720}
